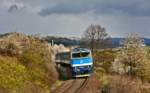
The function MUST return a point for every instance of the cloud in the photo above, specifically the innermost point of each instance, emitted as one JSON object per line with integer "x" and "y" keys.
{"x": 13, "y": 8}
{"x": 19, "y": 6}
{"x": 99, "y": 7}
{"x": 133, "y": 8}
{"x": 72, "y": 17}
{"x": 9, "y": 3}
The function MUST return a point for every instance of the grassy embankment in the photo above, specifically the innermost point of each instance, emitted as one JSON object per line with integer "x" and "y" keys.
{"x": 25, "y": 65}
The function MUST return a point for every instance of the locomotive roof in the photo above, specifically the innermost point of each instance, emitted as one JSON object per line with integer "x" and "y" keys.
{"x": 75, "y": 50}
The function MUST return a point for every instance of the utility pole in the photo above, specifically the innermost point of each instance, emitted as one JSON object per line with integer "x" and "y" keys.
{"x": 52, "y": 43}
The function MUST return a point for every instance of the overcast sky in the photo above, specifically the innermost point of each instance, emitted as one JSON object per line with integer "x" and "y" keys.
{"x": 72, "y": 17}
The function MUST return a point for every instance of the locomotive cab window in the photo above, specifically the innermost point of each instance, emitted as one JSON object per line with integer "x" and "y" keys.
{"x": 79, "y": 55}
{"x": 75, "y": 55}
{"x": 85, "y": 54}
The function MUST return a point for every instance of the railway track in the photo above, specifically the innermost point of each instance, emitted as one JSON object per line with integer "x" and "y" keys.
{"x": 73, "y": 86}
{"x": 77, "y": 86}
{"x": 68, "y": 87}
{"x": 84, "y": 84}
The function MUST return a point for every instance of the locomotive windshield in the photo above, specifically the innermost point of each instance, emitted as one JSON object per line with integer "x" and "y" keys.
{"x": 81, "y": 54}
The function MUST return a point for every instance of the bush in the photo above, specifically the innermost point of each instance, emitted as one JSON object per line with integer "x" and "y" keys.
{"x": 30, "y": 58}
{"x": 143, "y": 70}
{"x": 12, "y": 75}
{"x": 102, "y": 77}
{"x": 37, "y": 60}
{"x": 104, "y": 59}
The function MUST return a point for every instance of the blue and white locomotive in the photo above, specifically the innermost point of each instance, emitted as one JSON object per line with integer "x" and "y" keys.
{"x": 81, "y": 62}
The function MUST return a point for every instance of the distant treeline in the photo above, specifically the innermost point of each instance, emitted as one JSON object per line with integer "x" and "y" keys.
{"x": 116, "y": 41}
{"x": 3, "y": 35}
{"x": 75, "y": 41}
{"x": 71, "y": 42}
{"x": 62, "y": 40}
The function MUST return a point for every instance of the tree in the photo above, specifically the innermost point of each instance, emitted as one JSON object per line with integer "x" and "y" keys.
{"x": 95, "y": 36}
{"x": 132, "y": 53}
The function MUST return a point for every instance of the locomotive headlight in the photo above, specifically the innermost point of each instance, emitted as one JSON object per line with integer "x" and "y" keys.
{"x": 78, "y": 69}
{"x": 81, "y": 61}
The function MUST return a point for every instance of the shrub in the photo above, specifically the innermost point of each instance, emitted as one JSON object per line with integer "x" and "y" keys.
{"x": 37, "y": 61}
{"x": 104, "y": 59}
{"x": 12, "y": 74}
{"x": 124, "y": 84}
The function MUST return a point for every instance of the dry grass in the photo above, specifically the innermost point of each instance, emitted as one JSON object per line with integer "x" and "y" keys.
{"x": 126, "y": 84}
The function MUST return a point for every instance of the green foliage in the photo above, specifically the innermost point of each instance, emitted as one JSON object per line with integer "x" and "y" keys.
{"x": 143, "y": 68}
{"x": 25, "y": 65}
{"x": 36, "y": 58}
{"x": 29, "y": 58}
{"x": 12, "y": 74}
{"x": 30, "y": 71}
{"x": 102, "y": 77}
{"x": 104, "y": 59}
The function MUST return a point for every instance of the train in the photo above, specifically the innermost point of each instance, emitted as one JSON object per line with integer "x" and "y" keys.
{"x": 81, "y": 62}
